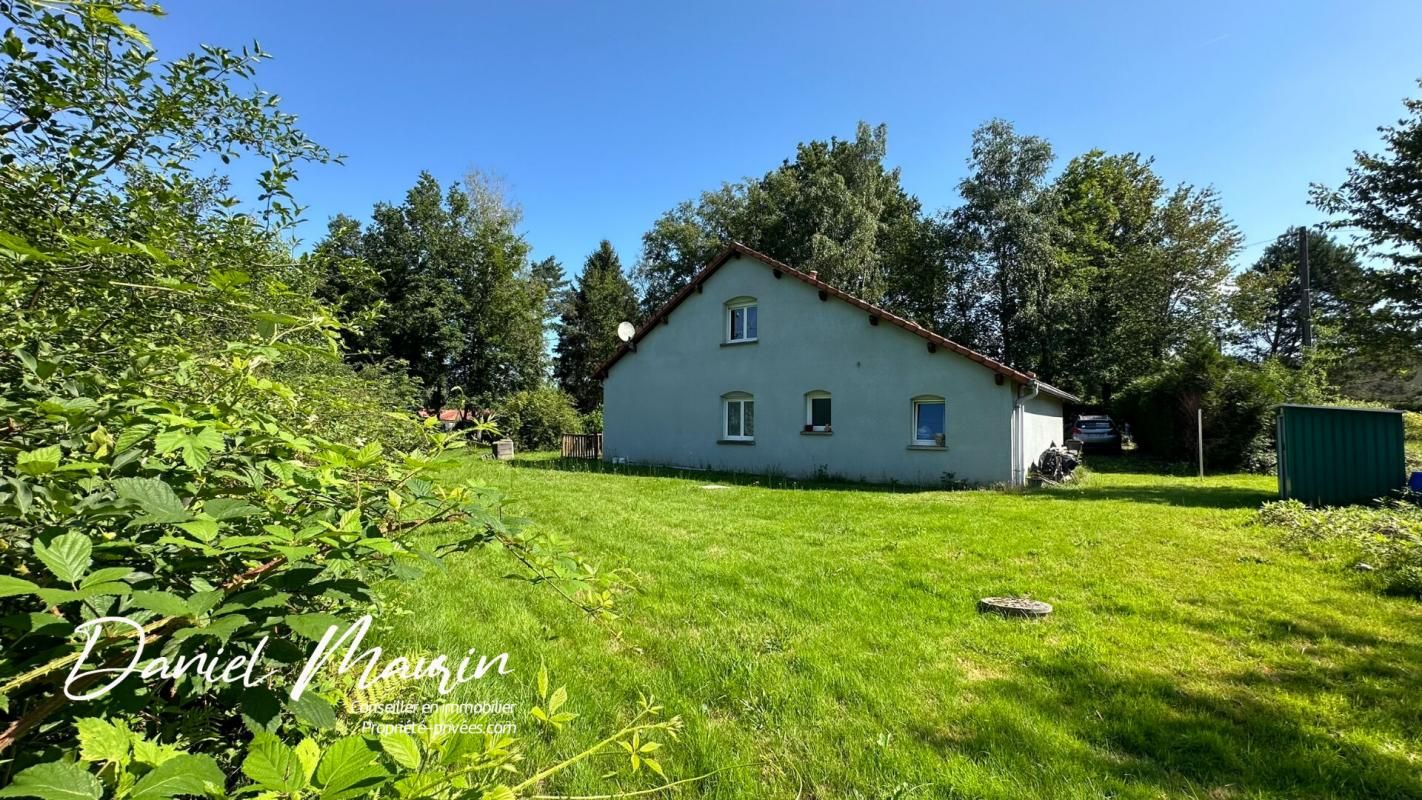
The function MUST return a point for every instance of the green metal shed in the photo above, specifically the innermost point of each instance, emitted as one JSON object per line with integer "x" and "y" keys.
{"x": 1334, "y": 456}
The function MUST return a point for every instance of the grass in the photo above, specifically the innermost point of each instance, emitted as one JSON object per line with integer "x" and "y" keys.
{"x": 826, "y": 636}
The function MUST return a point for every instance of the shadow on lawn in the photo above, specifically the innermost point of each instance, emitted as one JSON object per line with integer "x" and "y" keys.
{"x": 760, "y": 480}
{"x": 1254, "y": 733}
{"x": 1185, "y": 490}
{"x": 1184, "y": 493}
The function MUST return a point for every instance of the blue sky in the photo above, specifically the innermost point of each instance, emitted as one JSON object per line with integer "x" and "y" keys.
{"x": 603, "y": 115}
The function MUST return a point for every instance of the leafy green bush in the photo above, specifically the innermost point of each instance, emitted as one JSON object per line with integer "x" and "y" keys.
{"x": 184, "y": 493}
{"x": 1238, "y": 401}
{"x": 1161, "y": 408}
{"x": 536, "y": 419}
{"x": 592, "y": 421}
{"x": 1412, "y": 428}
{"x": 372, "y": 403}
{"x": 180, "y": 447}
{"x": 1386, "y": 538}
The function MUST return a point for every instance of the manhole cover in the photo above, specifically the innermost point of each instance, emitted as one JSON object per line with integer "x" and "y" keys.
{"x": 1014, "y": 607}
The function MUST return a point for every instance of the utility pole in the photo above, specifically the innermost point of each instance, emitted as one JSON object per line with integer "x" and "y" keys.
{"x": 1305, "y": 298}
{"x": 1200, "y": 437}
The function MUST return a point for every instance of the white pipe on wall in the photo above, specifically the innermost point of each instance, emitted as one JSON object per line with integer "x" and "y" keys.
{"x": 1019, "y": 434}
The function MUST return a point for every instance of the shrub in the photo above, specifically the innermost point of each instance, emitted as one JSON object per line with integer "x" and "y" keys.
{"x": 536, "y": 419}
{"x": 1412, "y": 427}
{"x": 1235, "y": 399}
{"x": 592, "y": 421}
{"x": 174, "y": 451}
{"x": 372, "y": 403}
{"x": 1238, "y": 400}
{"x": 185, "y": 492}
{"x": 1387, "y": 537}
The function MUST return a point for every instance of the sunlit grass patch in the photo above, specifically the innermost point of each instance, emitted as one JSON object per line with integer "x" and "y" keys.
{"x": 826, "y": 636}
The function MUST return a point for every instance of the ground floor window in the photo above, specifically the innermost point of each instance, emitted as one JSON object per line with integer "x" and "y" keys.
{"x": 817, "y": 411}
{"x": 930, "y": 419}
{"x": 739, "y": 417}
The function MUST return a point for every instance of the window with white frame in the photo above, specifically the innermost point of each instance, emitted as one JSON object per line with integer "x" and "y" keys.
{"x": 930, "y": 421}
{"x": 817, "y": 412}
{"x": 738, "y": 417}
{"x": 742, "y": 320}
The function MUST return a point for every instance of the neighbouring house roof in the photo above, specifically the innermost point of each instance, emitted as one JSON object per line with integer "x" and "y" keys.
{"x": 735, "y": 249}
{"x": 451, "y": 415}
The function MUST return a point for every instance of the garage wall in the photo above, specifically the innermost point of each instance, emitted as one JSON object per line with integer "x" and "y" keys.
{"x": 1043, "y": 425}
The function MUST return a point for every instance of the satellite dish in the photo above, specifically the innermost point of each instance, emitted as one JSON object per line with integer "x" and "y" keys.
{"x": 625, "y": 330}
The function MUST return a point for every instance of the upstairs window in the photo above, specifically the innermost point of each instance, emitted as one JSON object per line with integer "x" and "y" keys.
{"x": 817, "y": 412}
{"x": 742, "y": 320}
{"x": 738, "y": 417}
{"x": 930, "y": 421}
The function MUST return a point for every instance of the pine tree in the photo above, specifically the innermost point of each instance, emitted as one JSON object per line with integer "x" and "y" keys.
{"x": 446, "y": 277}
{"x": 587, "y": 329}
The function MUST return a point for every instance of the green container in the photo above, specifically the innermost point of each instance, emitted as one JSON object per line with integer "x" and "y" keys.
{"x": 1331, "y": 456}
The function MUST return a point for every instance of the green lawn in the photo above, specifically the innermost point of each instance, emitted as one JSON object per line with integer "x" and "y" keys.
{"x": 827, "y": 638}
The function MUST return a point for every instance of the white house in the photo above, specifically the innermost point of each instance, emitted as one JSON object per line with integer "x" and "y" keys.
{"x": 758, "y": 367}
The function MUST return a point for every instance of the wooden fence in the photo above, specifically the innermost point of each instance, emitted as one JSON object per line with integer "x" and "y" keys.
{"x": 582, "y": 445}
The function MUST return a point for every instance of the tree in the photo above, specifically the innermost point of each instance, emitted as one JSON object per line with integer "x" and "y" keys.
{"x": 686, "y": 238}
{"x": 354, "y": 291}
{"x": 446, "y": 275}
{"x": 835, "y": 209}
{"x": 1265, "y": 304}
{"x": 941, "y": 286}
{"x": 1183, "y": 295}
{"x": 1005, "y": 228}
{"x": 549, "y": 273}
{"x": 838, "y": 211}
{"x": 1106, "y": 230}
{"x": 1378, "y": 202}
{"x": 1088, "y": 280}
{"x": 587, "y": 331}
{"x": 1140, "y": 274}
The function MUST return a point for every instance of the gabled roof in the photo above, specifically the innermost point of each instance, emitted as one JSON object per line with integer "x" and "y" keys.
{"x": 735, "y": 249}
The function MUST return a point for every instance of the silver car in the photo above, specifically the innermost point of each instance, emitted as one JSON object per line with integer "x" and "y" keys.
{"x": 1096, "y": 432}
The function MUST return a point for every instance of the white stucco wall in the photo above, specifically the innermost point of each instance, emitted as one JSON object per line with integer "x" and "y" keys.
{"x": 662, "y": 403}
{"x": 1043, "y": 425}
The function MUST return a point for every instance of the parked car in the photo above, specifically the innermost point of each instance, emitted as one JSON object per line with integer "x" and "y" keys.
{"x": 1096, "y": 432}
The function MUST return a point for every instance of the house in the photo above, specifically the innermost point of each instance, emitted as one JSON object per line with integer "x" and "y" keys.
{"x": 758, "y": 367}
{"x": 454, "y": 418}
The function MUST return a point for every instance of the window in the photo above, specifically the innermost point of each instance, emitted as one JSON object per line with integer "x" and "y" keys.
{"x": 739, "y": 417}
{"x": 817, "y": 412}
{"x": 742, "y": 320}
{"x": 929, "y": 422}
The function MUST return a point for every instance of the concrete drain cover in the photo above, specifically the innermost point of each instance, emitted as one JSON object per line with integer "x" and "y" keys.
{"x": 1014, "y": 607}
{"x": 715, "y": 486}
